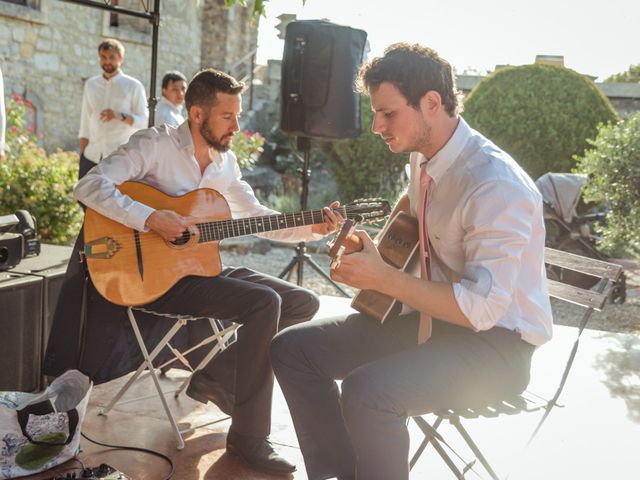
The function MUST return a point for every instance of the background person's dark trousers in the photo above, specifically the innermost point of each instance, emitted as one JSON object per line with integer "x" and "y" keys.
{"x": 262, "y": 304}
{"x": 85, "y": 166}
{"x": 386, "y": 378}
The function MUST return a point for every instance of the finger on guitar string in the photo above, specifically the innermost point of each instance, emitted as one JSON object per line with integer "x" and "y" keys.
{"x": 168, "y": 224}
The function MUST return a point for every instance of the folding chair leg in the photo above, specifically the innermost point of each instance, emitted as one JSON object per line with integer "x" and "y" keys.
{"x": 221, "y": 344}
{"x": 142, "y": 367}
{"x": 455, "y": 421}
{"x": 148, "y": 363}
{"x": 148, "y": 360}
{"x": 428, "y": 435}
{"x": 431, "y": 435}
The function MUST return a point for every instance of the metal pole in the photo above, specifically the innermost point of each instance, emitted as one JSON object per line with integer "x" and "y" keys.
{"x": 155, "y": 22}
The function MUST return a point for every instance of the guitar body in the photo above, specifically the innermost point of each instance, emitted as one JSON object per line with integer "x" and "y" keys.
{"x": 143, "y": 266}
{"x": 398, "y": 245}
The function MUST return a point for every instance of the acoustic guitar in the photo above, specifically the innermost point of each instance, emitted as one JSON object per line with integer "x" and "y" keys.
{"x": 131, "y": 268}
{"x": 398, "y": 246}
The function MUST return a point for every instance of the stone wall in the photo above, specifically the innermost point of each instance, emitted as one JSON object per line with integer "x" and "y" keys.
{"x": 49, "y": 49}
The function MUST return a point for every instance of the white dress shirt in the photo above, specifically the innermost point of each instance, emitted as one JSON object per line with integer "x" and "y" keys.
{"x": 163, "y": 157}
{"x": 169, "y": 113}
{"x": 487, "y": 234}
{"x": 122, "y": 94}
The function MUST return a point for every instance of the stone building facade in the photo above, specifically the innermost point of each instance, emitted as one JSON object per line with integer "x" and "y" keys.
{"x": 48, "y": 49}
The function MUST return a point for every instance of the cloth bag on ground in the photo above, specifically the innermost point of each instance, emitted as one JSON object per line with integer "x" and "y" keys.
{"x": 42, "y": 430}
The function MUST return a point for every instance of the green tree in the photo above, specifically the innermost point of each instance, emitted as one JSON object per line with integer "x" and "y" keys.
{"x": 364, "y": 166}
{"x": 613, "y": 166}
{"x": 632, "y": 75}
{"x": 259, "y": 6}
{"x": 541, "y": 114}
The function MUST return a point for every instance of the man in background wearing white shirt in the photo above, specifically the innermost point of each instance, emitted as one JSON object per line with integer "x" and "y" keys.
{"x": 114, "y": 106}
{"x": 483, "y": 288}
{"x": 170, "y": 106}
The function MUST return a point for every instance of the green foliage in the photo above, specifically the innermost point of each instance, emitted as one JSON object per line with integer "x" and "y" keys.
{"x": 364, "y": 166}
{"x": 247, "y": 146}
{"x": 632, "y": 75}
{"x": 39, "y": 183}
{"x": 542, "y": 115}
{"x": 613, "y": 166}
{"x": 259, "y": 6}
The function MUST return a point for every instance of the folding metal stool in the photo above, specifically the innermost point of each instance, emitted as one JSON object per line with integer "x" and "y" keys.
{"x": 221, "y": 337}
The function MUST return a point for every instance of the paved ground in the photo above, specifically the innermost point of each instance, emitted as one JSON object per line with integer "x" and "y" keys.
{"x": 594, "y": 436}
{"x": 262, "y": 255}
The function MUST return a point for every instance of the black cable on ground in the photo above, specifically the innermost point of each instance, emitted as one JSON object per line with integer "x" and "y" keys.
{"x": 136, "y": 449}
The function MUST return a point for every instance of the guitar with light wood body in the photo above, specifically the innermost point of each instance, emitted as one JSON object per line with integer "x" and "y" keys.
{"x": 398, "y": 246}
{"x": 131, "y": 268}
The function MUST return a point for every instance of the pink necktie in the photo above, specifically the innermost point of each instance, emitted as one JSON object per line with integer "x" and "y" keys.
{"x": 424, "y": 330}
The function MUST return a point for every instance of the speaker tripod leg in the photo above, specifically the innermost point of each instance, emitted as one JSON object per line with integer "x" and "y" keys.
{"x": 289, "y": 268}
{"x": 298, "y": 262}
{"x": 322, "y": 273}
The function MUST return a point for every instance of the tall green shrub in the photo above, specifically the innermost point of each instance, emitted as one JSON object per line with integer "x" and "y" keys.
{"x": 613, "y": 166}
{"x": 364, "y": 166}
{"x": 542, "y": 115}
{"x": 39, "y": 183}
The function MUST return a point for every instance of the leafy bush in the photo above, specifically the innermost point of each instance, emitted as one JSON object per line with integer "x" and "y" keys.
{"x": 542, "y": 115}
{"x": 613, "y": 166}
{"x": 364, "y": 166}
{"x": 39, "y": 183}
{"x": 247, "y": 146}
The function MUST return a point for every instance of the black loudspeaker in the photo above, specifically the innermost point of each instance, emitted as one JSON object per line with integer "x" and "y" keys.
{"x": 319, "y": 67}
{"x": 20, "y": 332}
{"x": 50, "y": 266}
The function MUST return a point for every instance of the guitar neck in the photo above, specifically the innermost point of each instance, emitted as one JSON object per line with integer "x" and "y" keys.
{"x": 221, "y": 229}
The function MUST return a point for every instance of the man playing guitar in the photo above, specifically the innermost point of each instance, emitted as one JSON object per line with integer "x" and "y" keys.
{"x": 482, "y": 284}
{"x": 178, "y": 161}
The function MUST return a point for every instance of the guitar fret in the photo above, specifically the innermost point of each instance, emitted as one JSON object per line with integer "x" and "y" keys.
{"x": 221, "y": 229}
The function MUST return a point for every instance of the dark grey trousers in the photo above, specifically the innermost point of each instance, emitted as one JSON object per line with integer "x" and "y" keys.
{"x": 85, "y": 166}
{"x": 361, "y": 428}
{"x": 263, "y": 305}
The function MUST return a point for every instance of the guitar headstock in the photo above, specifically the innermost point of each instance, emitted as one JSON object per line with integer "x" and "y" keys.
{"x": 368, "y": 209}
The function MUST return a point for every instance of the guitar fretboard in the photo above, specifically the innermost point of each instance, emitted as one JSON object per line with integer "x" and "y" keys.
{"x": 221, "y": 229}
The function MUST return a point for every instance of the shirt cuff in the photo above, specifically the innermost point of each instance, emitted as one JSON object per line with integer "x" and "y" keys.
{"x": 137, "y": 216}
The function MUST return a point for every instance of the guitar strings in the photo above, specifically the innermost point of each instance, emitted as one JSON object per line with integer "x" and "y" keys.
{"x": 226, "y": 227}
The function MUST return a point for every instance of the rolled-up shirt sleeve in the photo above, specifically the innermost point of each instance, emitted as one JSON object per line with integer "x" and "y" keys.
{"x": 497, "y": 219}
{"x": 97, "y": 189}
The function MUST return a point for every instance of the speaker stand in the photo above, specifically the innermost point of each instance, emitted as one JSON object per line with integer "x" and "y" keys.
{"x": 301, "y": 256}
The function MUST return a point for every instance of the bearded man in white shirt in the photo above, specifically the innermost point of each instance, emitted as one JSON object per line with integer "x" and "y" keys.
{"x": 171, "y": 104}
{"x": 114, "y": 106}
{"x": 483, "y": 290}
{"x": 176, "y": 161}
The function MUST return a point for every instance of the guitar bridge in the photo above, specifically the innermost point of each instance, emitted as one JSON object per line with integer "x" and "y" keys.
{"x": 104, "y": 247}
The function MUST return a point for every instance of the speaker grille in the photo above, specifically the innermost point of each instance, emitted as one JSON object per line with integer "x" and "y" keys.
{"x": 319, "y": 66}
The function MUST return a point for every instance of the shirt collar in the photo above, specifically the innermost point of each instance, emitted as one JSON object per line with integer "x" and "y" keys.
{"x": 185, "y": 142}
{"x": 173, "y": 106}
{"x": 118, "y": 74}
{"x": 444, "y": 158}
{"x": 183, "y": 136}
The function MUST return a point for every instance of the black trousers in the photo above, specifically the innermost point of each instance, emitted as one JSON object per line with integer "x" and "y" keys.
{"x": 263, "y": 305}
{"x": 85, "y": 166}
{"x": 386, "y": 377}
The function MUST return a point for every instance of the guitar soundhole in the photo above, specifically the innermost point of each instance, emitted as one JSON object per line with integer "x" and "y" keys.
{"x": 186, "y": 235}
